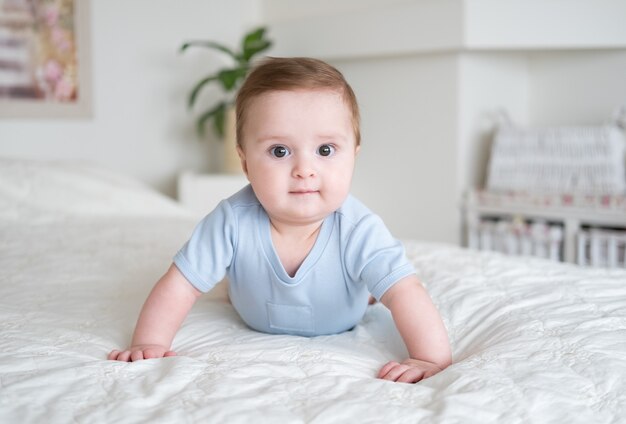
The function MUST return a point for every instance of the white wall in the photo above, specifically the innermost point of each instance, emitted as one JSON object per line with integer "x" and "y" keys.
{"x": 275, "y": 11}
{"x": 427, "y": 74}
{"x": 140, "y": 124}
{"x": 490, "y": 82}
{"x": 405, "y": 170}
{"x": 537, "y": 89}
{"x": 576, "y": 87}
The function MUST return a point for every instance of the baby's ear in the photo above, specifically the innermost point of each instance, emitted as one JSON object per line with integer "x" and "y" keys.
{"x": 242, "y": 158}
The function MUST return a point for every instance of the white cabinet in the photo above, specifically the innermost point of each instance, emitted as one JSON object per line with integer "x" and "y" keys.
{"x": 201, "y": 193}
{"x": 588, "y": 230}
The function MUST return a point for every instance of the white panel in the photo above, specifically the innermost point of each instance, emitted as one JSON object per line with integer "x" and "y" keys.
{"x": 275, "y": 11}
{"x": 490, "y": 82}
{"x": 401, "y": 28}
{"x": 406, "y": 168}
{"x": 576, "y": 88}
{"x": 544, "y": 24}
{"x": 418, "y": 26}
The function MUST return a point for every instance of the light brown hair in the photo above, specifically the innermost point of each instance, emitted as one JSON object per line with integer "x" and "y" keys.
{"x": 294, "y": 73}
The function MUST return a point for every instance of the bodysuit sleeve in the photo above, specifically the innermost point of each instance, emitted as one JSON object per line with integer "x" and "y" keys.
{"x": 374, "y": 257}
{"x": 205, "y": 257}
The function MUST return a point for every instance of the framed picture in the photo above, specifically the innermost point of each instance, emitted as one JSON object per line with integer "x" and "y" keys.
{"x": 44, "y": 61}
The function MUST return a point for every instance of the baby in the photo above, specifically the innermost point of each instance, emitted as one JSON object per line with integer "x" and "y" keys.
{"x": 301, "y": 254}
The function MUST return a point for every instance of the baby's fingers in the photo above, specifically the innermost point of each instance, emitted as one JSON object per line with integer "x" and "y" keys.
{"x": 124, "y": 356}
{"x": 113, "y": 355}
{"x": 395, "y": 372}
{"x": 386, "y": 368}
{"x": 118, "y": 355}
{"x": 391, "y": 370}
{"x": 157, "y": 353}
{"x": 412, "y": 375}
{"x": 136, "y": 355}
{"x": 139, "y": 354}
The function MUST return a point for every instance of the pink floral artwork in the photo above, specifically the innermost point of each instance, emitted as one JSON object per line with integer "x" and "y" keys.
{"x": 38, "y": 50}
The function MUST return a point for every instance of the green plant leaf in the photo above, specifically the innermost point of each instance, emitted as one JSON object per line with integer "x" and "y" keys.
{"x": 256, "y": 49}
{"x": 196, "y": 89}
{"x": 218, "y": 113}
{"x": 253, "y": 36}
{"x": 230, "y": 77}
{"x": 211, "y": 45}
{"x": 218, "y": 121}
{"x": 253, "y": 43}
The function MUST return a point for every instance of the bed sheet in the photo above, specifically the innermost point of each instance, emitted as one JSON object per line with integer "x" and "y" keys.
{"x": 80, "y": 247}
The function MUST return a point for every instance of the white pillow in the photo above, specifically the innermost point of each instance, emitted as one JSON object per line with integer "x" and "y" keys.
{"x": 38, "y": 189}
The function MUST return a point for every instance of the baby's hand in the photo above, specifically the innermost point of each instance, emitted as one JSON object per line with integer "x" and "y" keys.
{"x": 139, "y": 352}
{"x": 409, "y": 371}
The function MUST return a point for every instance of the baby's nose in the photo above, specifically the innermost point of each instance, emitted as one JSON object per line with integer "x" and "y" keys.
{"x": 304, "y": 168}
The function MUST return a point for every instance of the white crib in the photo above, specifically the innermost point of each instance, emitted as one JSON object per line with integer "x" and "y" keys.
{"x": 586, "y": 230}
{"x": 599, "y": 247}
{"x": 557, "y": 193}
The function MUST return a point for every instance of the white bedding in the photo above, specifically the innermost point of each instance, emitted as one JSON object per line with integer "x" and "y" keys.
{"x": 80, "y": 247}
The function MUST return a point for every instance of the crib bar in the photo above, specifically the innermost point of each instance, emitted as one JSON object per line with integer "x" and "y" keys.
{"x": 594, "y": 246}
{"x": 602, "y": 248}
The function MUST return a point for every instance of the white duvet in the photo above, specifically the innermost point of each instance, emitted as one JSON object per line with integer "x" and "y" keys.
{"x": 533, "y": 341}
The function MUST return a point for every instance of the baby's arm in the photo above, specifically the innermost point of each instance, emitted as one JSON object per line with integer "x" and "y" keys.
{"x": 161, "y": 316}
{"x": 422, "y": 330}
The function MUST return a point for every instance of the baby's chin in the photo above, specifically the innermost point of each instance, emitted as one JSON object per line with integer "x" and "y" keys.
{"x": 305, "y": 209}
{"x": 300, "y": 217}
{"x": 298, "y": 220}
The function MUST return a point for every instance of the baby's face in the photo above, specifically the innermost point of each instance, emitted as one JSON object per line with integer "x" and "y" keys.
{"x": 298, "y": 153}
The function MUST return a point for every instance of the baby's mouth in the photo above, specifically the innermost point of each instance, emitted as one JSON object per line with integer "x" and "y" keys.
{"x": 304, "y": 192}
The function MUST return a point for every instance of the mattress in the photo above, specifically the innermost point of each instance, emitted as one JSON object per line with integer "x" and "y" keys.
{"x": 81, "y": 246}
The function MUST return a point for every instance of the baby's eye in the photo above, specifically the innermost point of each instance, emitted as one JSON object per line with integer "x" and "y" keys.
{"x": 325, "y": 150}
{"x": 279, "y": 151}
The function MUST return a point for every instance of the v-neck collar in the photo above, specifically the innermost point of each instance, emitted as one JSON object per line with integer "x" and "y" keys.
{"x": 264, "y": 233}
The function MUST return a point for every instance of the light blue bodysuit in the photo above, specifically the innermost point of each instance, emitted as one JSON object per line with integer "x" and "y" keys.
{"x": 354, "y": 255}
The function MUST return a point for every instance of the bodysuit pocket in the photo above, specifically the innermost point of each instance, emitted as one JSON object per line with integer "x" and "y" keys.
{"x": 291, "y": 318}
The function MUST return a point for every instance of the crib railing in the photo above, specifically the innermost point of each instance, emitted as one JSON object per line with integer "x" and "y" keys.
{"x": 595, "y": 246}
{"x": 588, "y": 230}
{"x": 517, "y": 237}
{"x": 600, "y": 247}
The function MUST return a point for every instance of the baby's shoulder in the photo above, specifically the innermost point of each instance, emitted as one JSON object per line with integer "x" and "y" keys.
{"x": 354, "y": 212}
{"x": 243, "y": 198}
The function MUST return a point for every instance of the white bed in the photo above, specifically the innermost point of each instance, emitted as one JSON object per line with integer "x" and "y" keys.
{"x": 80, "y": 247}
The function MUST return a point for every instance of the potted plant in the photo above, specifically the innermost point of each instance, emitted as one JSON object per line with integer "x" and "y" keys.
{"x": 229, "y": 79}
